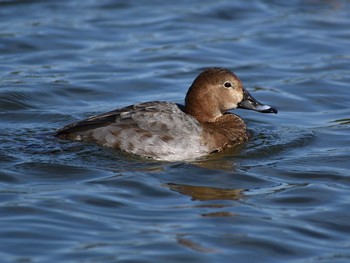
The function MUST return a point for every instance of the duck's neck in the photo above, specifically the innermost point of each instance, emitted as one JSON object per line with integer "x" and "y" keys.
{"x": 202, "y": 108}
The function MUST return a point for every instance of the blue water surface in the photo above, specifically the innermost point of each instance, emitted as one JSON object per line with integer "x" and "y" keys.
{"x": 282, "y": 197}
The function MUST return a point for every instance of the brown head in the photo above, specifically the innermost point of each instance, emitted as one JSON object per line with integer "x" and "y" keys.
{"x": 217, "y": 90}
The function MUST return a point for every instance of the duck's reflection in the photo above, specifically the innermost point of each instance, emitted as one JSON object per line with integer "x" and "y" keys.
{"x": 186, "y": 242}
{"x": 202, "y": 193}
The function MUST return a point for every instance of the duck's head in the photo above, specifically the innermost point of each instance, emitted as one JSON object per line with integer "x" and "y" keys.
{"x": 217, "y": 90}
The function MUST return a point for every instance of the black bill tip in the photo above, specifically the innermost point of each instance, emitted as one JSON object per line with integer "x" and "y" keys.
{"x": 249, "y": 103}
{"x": 266, "y": 109}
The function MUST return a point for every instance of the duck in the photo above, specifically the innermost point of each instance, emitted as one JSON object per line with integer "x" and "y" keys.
{"x": 168, "y": 131}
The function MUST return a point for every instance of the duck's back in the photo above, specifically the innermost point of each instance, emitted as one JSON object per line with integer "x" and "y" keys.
{"x": 159, "y": 130}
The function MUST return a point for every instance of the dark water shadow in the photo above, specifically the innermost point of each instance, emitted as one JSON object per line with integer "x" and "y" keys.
{"x": 202, "y": 193}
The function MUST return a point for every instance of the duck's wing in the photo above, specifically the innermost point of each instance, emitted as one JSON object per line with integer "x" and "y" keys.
{"x": 93, "y": 122}
{"x": 154, "y": 116}
{"x": 159, "y": 130}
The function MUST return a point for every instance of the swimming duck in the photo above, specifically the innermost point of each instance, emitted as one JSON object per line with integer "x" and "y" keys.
{"x": 169, "y": 131}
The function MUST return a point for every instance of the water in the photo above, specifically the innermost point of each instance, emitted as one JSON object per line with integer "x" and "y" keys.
{"x": 283, "y": 197}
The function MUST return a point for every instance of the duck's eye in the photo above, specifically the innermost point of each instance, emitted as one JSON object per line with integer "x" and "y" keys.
{"x": 227, "y": 84}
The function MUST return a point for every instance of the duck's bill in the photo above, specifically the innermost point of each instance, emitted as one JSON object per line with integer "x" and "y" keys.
{"x": 249, "y": 103}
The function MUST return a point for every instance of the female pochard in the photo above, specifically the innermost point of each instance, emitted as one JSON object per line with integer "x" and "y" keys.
{"x": 169, "y": 131}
